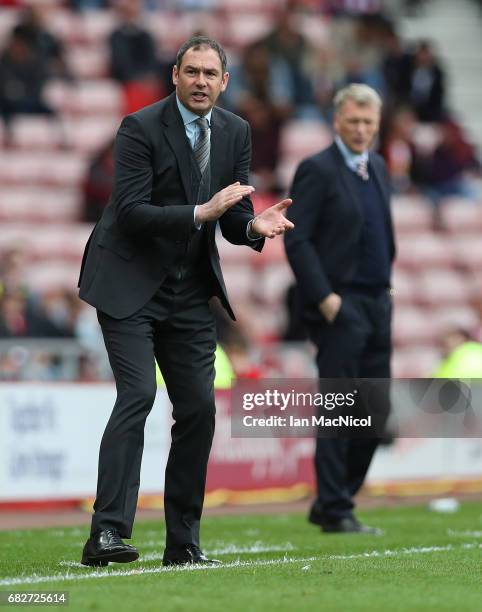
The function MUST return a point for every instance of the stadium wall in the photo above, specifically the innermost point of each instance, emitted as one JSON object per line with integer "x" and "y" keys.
{"x": 51, "y": 434}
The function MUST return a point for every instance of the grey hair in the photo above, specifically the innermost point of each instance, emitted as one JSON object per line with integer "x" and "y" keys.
{"x": 359, "y": 93}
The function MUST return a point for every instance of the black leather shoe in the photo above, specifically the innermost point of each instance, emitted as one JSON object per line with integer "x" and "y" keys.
{"x": 188, "y": 554}
{"x": 105, "y": 546}
{"x": 350, "y": 525}
{"x": 315, "y": 515}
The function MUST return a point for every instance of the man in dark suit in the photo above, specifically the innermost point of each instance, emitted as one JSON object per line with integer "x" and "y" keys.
{"x": 150, "y": 267}
{"x": 341, "y": 254}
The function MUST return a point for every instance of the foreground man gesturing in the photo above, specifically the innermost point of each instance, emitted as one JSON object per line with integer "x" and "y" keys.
{"x": 150, "y": 267}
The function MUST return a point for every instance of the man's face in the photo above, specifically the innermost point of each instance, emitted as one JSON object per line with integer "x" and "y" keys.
{"x": 199, "y": 80}
{"x": 357, "y": 125}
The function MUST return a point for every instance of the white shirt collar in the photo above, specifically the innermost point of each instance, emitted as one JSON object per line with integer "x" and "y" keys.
{"x": 188, "y": 116}
{"x": 351, "y": 159}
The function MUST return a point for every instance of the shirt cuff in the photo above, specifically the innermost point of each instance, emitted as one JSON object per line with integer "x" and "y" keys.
{"x": 249, "y": 232}
{"x": 196, "y": 225}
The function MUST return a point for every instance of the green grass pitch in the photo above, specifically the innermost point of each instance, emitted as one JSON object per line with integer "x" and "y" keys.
{"x": 425, "y": 561}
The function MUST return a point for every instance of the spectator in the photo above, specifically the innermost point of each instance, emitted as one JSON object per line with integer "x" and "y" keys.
{"x": 19, "y": 318}
{"x": 46, "y": 46}
{"x": 442, "y": 172}
{"x": 134, "y": 60}
{"x": 427, "y": 84}
{"x": 88, "y": 5}
{"x": 264, "y": 96}
{"x": 23, "y": 76}
{"x": 398, "y": 149}
{"x": 396, "y": 70}
{"x": 462, "y": 356}
{"x": 287, "y": 43}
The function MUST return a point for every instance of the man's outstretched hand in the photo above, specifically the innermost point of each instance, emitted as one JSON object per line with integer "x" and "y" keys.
{"x": 272, "y": 221}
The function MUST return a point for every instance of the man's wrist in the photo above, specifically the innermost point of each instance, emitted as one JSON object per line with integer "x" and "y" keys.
{"x": 251, "y": 235}
{"x": 197, "y": 224}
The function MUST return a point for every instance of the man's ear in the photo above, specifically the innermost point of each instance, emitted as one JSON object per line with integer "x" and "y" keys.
{"x": 175, "y": 74}
{"x": 225, "y": 80}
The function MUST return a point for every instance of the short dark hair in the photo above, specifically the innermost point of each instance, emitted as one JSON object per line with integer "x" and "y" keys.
{"x": 196, "y": 42}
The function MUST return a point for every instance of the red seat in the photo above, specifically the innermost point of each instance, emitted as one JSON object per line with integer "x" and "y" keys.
{"x": 422, "y": 251}
{"x": 418, "y": 361}
{"x": 468, "y": 251}
{"x": 412, "y": 326}
{"x": 44, "y": 277}
{"x": 22, "y": 168}
{"x": 411, "y": 214}
{"x": 443, "y": 288}
{"x": 29, "y": 204}
{"x": 459, "y": 215}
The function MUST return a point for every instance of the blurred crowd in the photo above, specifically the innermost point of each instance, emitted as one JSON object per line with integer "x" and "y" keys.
{"x": 282, "y": 75}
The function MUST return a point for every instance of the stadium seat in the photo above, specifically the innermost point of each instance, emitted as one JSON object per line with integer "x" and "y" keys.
{"x": 22, "y": 168}
{"x": 35, "y": 132}
{"x": 232, "y": 253}
{"x": 411, "y": 214}
{"x": 240, "y": 280}
{"x": 94, "y": 27}
{"x": 29, "y": 204}
{"x": 273, "y": 253}
{"x": 411, "y": 326}
{"x": 53, "y": 242}
{"x": 443, "y": 288}
{"x": 418, "y": 361}
{"x": 95, "y": 97}
{"x": 60, "y": 243}
{"x": 45, "y": 277}
{"x": 89, "y": 62}
{"x": 272, "y": 283}
{"x": 424, "y": 250}
{"x": 243, "y": 29}
{"x": 89, "y": 134}
{"x": 302, "y": 137}
{"x": 468, "y": 251}
{"x": 447, "y": 318}
{"x": 459, "y": 215}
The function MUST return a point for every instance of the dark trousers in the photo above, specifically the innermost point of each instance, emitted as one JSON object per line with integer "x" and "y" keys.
{"x": 177, "y": 329}
{"x": 356, "y": 345}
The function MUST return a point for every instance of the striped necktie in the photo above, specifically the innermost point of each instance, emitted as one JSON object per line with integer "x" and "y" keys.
{"x": 202, "y": 147}
{"x": 362, "y": 169}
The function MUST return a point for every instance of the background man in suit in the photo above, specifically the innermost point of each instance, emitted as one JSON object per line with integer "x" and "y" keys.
{"x": 341, "y": 254}
{"x": 149, "y": 268}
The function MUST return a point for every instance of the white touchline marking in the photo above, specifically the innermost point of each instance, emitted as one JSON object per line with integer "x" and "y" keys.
{"x": 95, "y": 574}
{"x": 415, "y": 550}
{"x": 464, "y": 534}
{"x": 230, "y": 549}
{"x": 257, "y": 547}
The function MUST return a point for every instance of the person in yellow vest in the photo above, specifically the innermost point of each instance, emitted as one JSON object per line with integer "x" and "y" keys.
{"x": 463, "y": 356}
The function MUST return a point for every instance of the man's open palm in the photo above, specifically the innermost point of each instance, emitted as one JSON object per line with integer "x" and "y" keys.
{"x": 272, "y": 221}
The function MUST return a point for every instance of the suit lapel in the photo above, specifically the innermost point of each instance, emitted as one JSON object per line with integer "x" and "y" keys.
{"x": 219, "y": 148}
{"x": 177, "y": 139}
